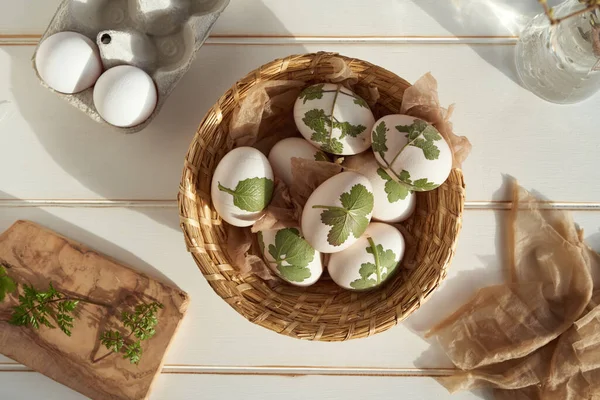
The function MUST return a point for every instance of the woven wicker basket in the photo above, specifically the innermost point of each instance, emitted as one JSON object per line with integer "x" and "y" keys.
{"x": 322, "y": 311}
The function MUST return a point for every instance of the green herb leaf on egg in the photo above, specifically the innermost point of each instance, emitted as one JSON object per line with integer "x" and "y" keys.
{"x": 348, "y": 129}
{"x": 252, "y": 194}
{"x": 395, "y": 191}
{"x": 351, "y": 217}
{"x": 321, "y": 124}
{"x": 372, "y": 274}
{"x": 360, "y": 102}
{"x": 422, "y": 135}
{"x": 312, "y": 93}
{"x": 380, "y": 139}
{"x": 320, "y": 156}
{"x": 292, "y": 254}
{"x": 420, "y": 184}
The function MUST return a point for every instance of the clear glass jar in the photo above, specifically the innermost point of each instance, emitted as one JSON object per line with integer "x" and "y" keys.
{"x": 558, "y": 62}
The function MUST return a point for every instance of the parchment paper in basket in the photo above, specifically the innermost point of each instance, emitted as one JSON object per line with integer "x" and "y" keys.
{"x": 537, "y": 336}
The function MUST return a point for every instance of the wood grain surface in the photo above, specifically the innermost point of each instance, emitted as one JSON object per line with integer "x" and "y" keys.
{"x": 37, "y": 256}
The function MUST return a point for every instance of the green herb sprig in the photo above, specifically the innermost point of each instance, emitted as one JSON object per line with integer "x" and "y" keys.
{"x": 51, "y": 308}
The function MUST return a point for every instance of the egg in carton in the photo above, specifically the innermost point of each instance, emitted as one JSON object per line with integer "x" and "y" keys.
{"x": 161, "y": 37}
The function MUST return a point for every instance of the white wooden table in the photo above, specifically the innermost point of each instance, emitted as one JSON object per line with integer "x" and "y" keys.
{"x": 117, "y": 193}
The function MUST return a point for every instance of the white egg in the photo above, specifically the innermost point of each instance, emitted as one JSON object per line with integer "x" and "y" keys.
{"x": 68, "y": 62}
{"x": 242, "y": 186}
{"x": 370, "y": 261}
{"x": 282, "y": 153}
{"x": 337, "y": 213}
{"x": 290, "y": 256}
{"x": 394, "y": 202}
{"x": 412, "y": 150}
{"x": 334, "y": 119}
{"x": 125, "y": 96}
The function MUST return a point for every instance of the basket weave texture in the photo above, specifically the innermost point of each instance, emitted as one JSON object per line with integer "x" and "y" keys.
{"x": 322, "y": 311}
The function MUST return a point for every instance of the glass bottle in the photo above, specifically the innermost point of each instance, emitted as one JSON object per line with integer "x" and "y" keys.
{"x": 560, "y": 62}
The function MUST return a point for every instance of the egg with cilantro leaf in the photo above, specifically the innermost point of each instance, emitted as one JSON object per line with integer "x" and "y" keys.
{"x": 334, "y": 119}
{"x": 338, "y": 212}
{"x": 370, "y": 261}
{"x": 242, "y": 186}
{"x": 290, "y": 256}
{"x": 411, "y": 152}
{"x": 394, "y": 202}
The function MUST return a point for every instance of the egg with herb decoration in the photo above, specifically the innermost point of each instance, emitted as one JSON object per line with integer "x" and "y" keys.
{"x": 370, "y": 261}
{"x": 394, "y": 202}
{"x": 242, "y": 186}
{"x": 290, "y": 256}
{"x": 282, "y": 153}
{"x": 338, "y": 212}
{"x": 412, "y": 152}
{"x": 334, "y": 119}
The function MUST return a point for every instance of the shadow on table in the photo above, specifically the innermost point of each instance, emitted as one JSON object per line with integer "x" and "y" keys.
{"x": 147, "y": 164}
{"x": 9, "y": 215}
{"x": 485, "y": 18}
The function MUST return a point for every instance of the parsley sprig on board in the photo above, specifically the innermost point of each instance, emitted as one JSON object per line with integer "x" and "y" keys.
{"x": 52, "y": 308}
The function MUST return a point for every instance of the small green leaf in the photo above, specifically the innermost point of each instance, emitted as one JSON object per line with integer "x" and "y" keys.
{"x": 320, "y": 156}
{"x": 133, "y": 352}
{"x": 252, "y": 194}
{"x": 420, "y": 185}
{"x": 379, "y": 139}
{"x": 360, "y": 102}
{"x": 292, "y": 254}
{"x": 112, "y": 340}
{"x": 348, "y": 129}
{"x": 431, "y": 134}
{"x": 395, "y": 191}
{"x": 422, "y": 135}
{"x": 7, "y": 285}
{"x": 311, "y": 93}
{"x": 430, "y": 150}
{"x": 317, "y": 121}
{"x": 351, "y": 217}
{"x": 333, "y": 146}
{"x": 372, "y": 274}
{"x": 320, "y": 124}
{"x": 424, "y": 185}
{"x": 365, "y": 282}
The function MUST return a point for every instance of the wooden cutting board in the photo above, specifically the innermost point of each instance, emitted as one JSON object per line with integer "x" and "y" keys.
{"x": 37, "y": 256}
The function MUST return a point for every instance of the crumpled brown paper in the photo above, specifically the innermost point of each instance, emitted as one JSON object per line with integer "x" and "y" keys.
{"x": 283, "y": 210}
{"x": 308, "y": 175}
{"x": 537, "y": 336}
{"x": 265, "y": 115}
{"x": 241, "y": 247}
{"x": 421, "y": 101}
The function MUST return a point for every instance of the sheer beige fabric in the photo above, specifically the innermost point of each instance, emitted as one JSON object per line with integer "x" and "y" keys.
{"x": 538, "y": 335}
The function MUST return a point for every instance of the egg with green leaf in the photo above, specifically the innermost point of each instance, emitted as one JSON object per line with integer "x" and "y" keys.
{"x": 338, "y": 212}
{"x": 290, "y": 256}
{"x": 411, "y": 152}
{"x": 394, "y": 202}
{"x": 280, "y": 156}
{"x": 334, "y": 119}
{"x": 242, "y": 186}
{"x": 370, "y": 261}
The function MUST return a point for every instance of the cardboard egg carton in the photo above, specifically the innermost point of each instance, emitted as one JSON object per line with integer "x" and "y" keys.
{"x": 161, "y": 37}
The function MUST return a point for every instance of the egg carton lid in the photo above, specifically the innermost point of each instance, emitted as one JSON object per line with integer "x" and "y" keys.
{"x": 162, "y": 37}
